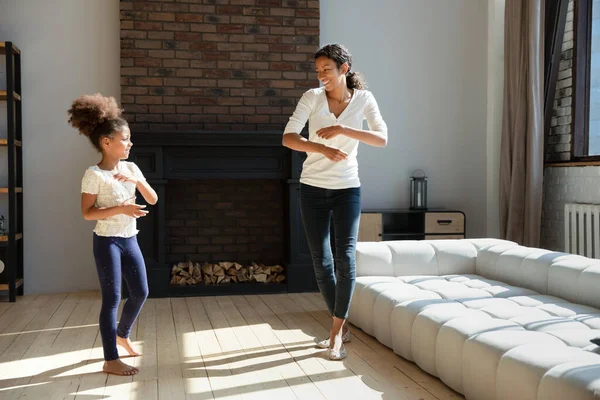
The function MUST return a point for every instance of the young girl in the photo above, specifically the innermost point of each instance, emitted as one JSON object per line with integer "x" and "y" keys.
{"x": 108, "y": 194}
{"x": 329, "y": 184}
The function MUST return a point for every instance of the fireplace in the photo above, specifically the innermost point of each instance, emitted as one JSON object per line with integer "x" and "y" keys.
{"x": 227, "y": 220}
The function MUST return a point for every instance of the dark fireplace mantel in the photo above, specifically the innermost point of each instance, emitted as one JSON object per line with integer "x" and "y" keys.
{"x": 177, "y": 155}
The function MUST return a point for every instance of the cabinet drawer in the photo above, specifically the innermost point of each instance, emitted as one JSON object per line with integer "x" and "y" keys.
{"x": 370, "y": 227}
{"x": 443, "y": 237}
{"x": 444, "y": 223}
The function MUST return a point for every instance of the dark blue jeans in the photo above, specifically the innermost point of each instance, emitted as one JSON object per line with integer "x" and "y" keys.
{"x": 319, "y": 207}
{"x": 116, "y": 257}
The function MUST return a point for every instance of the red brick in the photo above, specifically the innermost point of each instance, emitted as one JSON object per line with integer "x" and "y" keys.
{"x": 218, "y": 19}
{"x": 127, "y": 25}
{"x": 284, "y": 84}
{"x": 176, "y": 27}
{"x": 202, "y": 9}
{"x": 189, "y": 54}
{"x": 296, "y": 57}
{"x": 204, "y": 83}
{"x": 176, "y": 100}
{"x": 168, "y": 17}
{"x": 230, "y": 101}
{"x": 176, "y": 63}
{"x": 230, "y": 28}
{"x": 281, "y": 48}
{"x": 210, "y": 46}
{"x": 269, "y": 21}
{"x": 294, "y": 75}
{"x": 242, "y": 110}
{"x": 230, "y": 119}
{"x": 242, "y": 2}
{"x": 145, "y": 6}
{"x": 209, "y": 28}
{"x": 192, "y": 37}
{"x": 204, "y": 64}
{"x": 148, "y": 26}
{"x": 282, "y": 66}
{"x": 229, "y": 47}
{"x": 148, "y": 44}
{"x": 257, "y": 119}
{"x": 243, "y": 92}
{"x": 307, "y": 31}
{"x": 216, "y": 74}
{"x": 239, "y": 19}
{"x": 242, "y": 38}
{"x": 283, "y": 12}
{"x": 216, "y": 110}
{"x": 176, "y": 7}
{"x": 162, "y": 109}
{"x": 149, "y": 81}
{"x": 284, "y": 30}
{"x": 269, "y": 74}
{"x": 268, "y": 110}
{"x": 177, "y": 82}
{"x": 148, "y": 100}
{"x": 256, "y": 65}
{"x": 256, "y": 11}
{"x": 229, "y": 83}
{"x": 134, "y": 90}
{"x": 215, "y": 37}
{"x": 133, "y": 15}
{"x": 308, "y": 13}
{"x": 230, "y": 10}
{"x": 190, "y": 73}
{"x": 216, "y": 56}
{"x": 252, "y": 101}
{"x": 161, "y": 35}
{"x": 242, "y": 56}
{"x": 256, "y": 84}
{"x": 189, "y": 18}
{"x": 161, "y": 53}
{"x": 133, "y": 34}
{"x": 269, "y": 39}
{"x": 190, "y": 110}
{"x": 127, "y": 62}
{"x": 256, "y": 47}
{"x": 205, "y": 101}
{"x": 148, "y": 118}
{"x": 268, "y": 56}
{"x": 268, "y": 3}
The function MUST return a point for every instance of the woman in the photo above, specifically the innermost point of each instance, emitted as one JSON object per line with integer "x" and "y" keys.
{"x": 329, "y": 183}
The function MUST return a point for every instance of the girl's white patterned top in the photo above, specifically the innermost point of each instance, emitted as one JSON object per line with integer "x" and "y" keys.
{"x": 112, "y": 193}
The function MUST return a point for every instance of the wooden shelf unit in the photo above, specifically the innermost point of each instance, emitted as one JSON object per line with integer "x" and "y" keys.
{"x": 11, "y": 243}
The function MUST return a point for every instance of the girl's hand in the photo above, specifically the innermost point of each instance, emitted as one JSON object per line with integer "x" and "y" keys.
{"x": 133, "y": 210}
{"x": 125, "y": 177}
{"x": 334, "y": 154}
{"x": 331, "y": 131}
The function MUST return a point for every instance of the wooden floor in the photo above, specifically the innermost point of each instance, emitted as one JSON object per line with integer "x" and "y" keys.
{"x": 240, "y": 347}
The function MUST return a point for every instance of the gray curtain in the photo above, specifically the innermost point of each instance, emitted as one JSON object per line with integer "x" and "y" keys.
{"x": 522, "y": 149}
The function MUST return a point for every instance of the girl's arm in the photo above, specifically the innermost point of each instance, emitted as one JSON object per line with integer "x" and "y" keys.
{"x": 147, "y": 192}
{"x": 91, "y": 213}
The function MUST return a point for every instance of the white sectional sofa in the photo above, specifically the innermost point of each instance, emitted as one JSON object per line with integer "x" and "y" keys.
{"x": 490, "y": 318}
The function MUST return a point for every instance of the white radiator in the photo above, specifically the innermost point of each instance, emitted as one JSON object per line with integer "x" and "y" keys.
{"x": 582, "y": 229}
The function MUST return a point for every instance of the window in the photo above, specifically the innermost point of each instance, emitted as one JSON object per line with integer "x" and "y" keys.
{"x": 586, "y": 90}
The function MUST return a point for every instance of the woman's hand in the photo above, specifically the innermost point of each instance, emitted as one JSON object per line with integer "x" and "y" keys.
{"x": 331, "y": 131}
{"x": 334, "y": 154}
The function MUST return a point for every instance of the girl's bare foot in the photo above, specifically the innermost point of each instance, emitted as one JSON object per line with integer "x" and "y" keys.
{"x": 127, "y": 345}
{"x": 117, "y": 367}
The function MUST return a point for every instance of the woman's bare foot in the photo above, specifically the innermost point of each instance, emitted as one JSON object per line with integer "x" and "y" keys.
{"x": 127, "y": 345}
{"x": 117, "y": 367}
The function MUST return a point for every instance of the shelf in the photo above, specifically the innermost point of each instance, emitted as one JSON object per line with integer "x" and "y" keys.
{"x": 4, "y": 239}
{"x": 4, "y": 286}
{"x": 4, "y": 142}
{"x": 3, "y": 48}
{"x": 3, "y": 95}
{"x": 5, "y": 190}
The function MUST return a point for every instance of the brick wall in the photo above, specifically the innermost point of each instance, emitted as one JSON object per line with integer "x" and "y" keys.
{"x": 225, "y": 220}
{"x": 559, "y": 148}
{"x": 216, "y": 64}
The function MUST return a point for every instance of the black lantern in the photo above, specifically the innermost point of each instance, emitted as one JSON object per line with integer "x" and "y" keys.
{"x": 418, "y": 190}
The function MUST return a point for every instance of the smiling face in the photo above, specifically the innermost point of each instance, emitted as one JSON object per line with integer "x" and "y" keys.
{"x": 329, "y": 74}
{"x": 118, "y": 145}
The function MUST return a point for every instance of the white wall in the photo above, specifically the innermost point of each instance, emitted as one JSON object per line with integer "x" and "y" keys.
{"x": 495, "y": 99}
{"x": 70, "y": 48}
{"x": 426, "y": 63}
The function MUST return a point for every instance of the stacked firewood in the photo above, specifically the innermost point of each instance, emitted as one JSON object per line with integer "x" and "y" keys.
{"x": 189, "y": 273}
